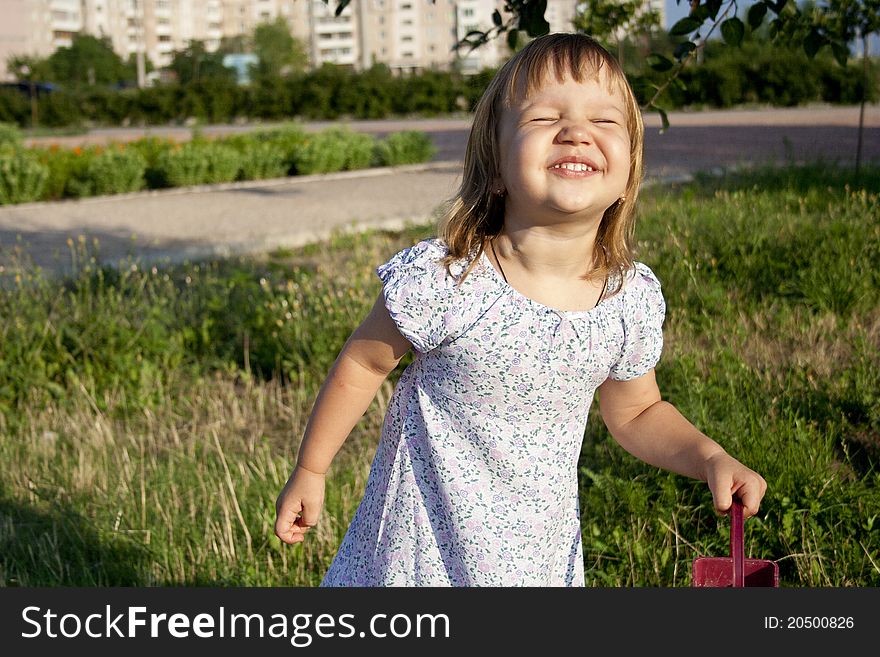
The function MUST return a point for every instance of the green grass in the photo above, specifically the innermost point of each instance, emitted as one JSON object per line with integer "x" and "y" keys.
{"x": 149, "y": 415}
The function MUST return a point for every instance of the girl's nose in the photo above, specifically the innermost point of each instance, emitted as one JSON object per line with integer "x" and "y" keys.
{"x": 576, "y": 133}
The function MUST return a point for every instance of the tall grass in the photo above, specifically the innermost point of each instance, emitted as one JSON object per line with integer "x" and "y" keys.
{"x": 149, "y": 416}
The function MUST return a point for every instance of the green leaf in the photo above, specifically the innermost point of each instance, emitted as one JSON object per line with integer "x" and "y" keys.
{"x": 659, "y": 62}
{"x": 663, "y": 118}
{"x": 512, "y": 37}
{"x": 496, "y": 18}
{"x": 685, "y": 26}
{"x": 712, "y": 8}
{"x": 683, "y": 49}
{"x": 531, "y": 18}
{"x": 841, "y": 52}
{"x": 777, "y": 7}
{"x": 813, "y": 42}
{"x": 756, "y": 14}
{"x": 732, "y": 30}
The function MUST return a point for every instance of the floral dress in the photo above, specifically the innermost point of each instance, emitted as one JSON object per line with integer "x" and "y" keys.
{"x": 474, "y": 482}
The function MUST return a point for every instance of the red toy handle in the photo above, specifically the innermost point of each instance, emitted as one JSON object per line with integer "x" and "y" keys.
{"x": 736, "y": 543}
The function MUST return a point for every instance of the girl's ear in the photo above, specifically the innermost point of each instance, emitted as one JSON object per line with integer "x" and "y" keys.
{"x": 497, "y": 186}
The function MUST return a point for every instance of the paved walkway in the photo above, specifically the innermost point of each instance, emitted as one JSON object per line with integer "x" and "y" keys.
{"x": 193, "y": 223}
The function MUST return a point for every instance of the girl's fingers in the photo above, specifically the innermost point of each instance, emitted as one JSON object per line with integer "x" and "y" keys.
{"x": 285, "y": 522}
{"x": 751, "y": 501}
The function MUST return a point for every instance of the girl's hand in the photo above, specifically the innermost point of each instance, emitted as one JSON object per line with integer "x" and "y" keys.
{"x": 299, "y": 505}
{"x": 726, "y": 476}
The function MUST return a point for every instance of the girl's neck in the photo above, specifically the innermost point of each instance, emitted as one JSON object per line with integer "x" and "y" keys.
{"x": 547, "y": 251}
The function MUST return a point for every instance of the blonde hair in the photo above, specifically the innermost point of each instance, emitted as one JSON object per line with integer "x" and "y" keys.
{"x": 476, "y": 215}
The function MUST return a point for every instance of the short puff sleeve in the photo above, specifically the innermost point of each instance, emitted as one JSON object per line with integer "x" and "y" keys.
{"x": 644, "y": 310}
{"x": 419, "y": 294}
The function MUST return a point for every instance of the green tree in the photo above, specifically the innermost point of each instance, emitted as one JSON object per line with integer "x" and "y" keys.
{"x": 835, "y": 24}
{"x": 839, "y": 23}
{"x": 279, "y": 52}
{"x": 32, "y": 70}
{"x": 196, "y": 64}
{"x": 613, "y": 22}
{"x": 88, "y": 61}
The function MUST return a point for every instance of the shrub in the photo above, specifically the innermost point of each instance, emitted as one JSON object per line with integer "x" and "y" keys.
{"x": 262, "y": 160}
{"x": 22, "y": 176}
{"x": 62, "y": 164}
{"x": 290, "y": 139}
{"x": 9, "y": 134}
{"x": 114, "y": 170}
{"x": 182, "y": 166}
{"x": 14, "y": 107}
{"x": 406, "y": 147}
{"x": 197, "y": 163}
{"x": 360, "y": 149}
{"x": 323, "y": 152}
{"x": 152, "y": 148}
{"x": 224, "y": 162}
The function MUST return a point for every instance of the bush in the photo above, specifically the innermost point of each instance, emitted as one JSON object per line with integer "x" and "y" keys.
{"x": 22, "y": 176}
{"x": 10, "y": 134}
{"x": 262, "y": 160}
{"x": 324, "y": 152}
{"x": 182, "y": 166}
{"x": 62, "y": 164}
{"x": 360, "y": 150}
{"x": 14, "y": 107}
{"x": 151, "y": 149}
{"x": 407, "y": 147}
{"x": 115, "y": 170}
{"x": 198, "y": 163}
{"x": 224, "y": 162}
{"x": 290, "y": 139}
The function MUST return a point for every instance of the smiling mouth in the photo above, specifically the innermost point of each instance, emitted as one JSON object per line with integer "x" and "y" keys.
{"x": 575, "y": 167}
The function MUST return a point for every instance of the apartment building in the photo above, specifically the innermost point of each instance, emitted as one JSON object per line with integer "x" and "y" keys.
{"x": 406, "y": 35}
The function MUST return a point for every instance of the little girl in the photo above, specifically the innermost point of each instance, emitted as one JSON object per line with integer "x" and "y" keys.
{"x": 528, "y": 304}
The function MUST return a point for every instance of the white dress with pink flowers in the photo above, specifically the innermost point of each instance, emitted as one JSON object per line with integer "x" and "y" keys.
{"x": 474, "y": 482}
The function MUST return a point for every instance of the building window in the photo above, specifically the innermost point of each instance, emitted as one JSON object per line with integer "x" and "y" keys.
{"x": 467, "y": 13}
{"x": 406, "y": 38}
{"x": 405, "y": 6}
{"x": 164, "y": 38}
{"x": 407, "y": 21}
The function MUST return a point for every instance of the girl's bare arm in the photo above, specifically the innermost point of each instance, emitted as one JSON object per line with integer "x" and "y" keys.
{"x": 655, "y": 432}
{"x": 373, "y": 350}
{"x": 370, "y": 354}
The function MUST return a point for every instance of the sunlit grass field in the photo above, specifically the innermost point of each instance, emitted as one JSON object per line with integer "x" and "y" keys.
{"x": 149, "y": 415}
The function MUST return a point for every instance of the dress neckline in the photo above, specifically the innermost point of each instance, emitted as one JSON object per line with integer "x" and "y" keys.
{"x": 502, "y": 281}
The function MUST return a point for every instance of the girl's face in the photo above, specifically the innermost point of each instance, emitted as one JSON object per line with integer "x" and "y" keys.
{"x": 564, "y": 151}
